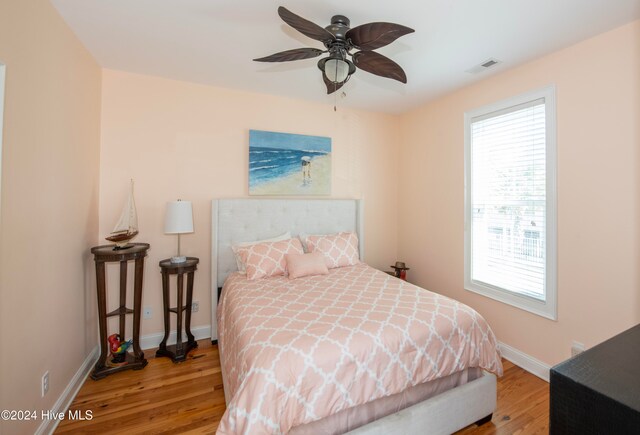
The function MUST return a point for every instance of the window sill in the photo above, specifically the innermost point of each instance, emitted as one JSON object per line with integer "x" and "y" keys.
{"x": 546, "y": 309}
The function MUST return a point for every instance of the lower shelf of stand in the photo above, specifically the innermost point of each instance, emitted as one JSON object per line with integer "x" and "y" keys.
{"x": 175, "y": 354}
{"x": 105, "y": 368}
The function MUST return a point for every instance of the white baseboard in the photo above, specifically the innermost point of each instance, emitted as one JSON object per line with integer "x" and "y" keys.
{"x": 527, "y": 362}
{"x": 64, "y": 401}
{"x": 153, "y": 340}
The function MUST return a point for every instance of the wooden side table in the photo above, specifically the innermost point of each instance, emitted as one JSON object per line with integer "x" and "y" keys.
{"x": 178, "y": 352}
{"x": 107, "y": 254}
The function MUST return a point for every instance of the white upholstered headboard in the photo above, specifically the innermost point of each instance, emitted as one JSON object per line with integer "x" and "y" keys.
{"x": 248, "y": 219}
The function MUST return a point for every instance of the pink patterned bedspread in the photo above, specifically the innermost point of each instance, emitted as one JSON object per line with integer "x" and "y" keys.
{"x": 295, "y": 351}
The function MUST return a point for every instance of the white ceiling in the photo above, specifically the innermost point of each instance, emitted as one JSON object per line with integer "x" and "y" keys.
{"x": 213, "y": 41}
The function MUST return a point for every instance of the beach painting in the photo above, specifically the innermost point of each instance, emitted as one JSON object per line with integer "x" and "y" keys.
{"x": 289, "y": 164}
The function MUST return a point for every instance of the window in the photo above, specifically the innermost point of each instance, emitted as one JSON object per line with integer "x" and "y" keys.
{"x": 510, "y": 191}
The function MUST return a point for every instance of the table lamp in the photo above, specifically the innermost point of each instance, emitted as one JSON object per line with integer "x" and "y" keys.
{"x": 178, "y": 220}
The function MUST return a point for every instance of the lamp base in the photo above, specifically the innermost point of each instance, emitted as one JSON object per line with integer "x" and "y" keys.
{"x": 181, "y": 259}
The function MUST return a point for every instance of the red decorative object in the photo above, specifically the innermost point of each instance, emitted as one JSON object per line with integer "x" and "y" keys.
{"x": 400, "y": 270}
{"x": 118, "y": 348}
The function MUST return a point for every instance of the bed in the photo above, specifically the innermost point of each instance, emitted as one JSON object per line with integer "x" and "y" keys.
{"x": 355, "y": 350}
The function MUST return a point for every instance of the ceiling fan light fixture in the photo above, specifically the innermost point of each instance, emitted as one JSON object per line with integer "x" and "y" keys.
{"x": 336, "y": 70}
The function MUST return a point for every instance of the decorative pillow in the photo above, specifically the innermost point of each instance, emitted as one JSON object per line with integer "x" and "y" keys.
{"x": 299, "y": 265}
{"x": 268, "y": 259}
{"x": 338, "y": 249}
{"x": 241, "y": 266}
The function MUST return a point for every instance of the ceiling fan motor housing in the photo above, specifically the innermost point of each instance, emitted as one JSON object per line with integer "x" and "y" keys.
{"x": 339, "y": 26}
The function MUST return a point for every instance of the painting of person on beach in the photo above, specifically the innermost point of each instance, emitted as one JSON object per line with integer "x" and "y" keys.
{"x": 281, "y": 164}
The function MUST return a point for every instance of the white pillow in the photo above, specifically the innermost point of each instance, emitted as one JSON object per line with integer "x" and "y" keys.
{"x": 242, "y": 267}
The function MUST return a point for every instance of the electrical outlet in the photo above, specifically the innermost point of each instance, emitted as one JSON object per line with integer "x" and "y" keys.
{"x": 576, "y": 348}
{"x": 45, "y": 383}
{"x": 195, "y": 306}
{"x": 146, "y": 313}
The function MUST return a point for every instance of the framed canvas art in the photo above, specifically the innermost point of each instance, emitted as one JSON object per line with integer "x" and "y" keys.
{"x": 289, "y": 164}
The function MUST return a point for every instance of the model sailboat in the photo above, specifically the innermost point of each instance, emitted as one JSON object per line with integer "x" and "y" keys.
{"x": 127, "y": 226}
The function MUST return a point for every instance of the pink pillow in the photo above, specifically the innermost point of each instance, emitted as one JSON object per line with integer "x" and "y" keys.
{"x": 338, "y": 249}
{"x": 299, "y": 265}
{"x": 268, "y": 259}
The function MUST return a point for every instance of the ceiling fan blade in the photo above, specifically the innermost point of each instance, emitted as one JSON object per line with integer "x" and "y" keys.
{"x": 377, "y": 64}
{"x": 305, "y": 27}
{"x": 289, "y": 55}
{"x": 375, "y": 35}
{"x": 331, "y": 87}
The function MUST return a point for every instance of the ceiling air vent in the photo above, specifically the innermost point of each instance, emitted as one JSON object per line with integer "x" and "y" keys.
{"x": 483, "y": 66}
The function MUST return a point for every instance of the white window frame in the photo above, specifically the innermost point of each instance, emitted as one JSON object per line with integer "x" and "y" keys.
{"x": 547, "y": 307}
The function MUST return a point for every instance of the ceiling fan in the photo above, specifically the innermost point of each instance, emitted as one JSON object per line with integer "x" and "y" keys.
{"x": 339, "y": 40}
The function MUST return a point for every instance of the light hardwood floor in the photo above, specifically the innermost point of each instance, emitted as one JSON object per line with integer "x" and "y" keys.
{"x": 188, "y": 398}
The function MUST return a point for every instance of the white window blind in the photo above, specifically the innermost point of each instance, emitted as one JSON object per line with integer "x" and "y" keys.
{"x": 507, "y": 239}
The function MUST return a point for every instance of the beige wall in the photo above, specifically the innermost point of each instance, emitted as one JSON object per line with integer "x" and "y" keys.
{"x": 49, "y": 206}
{"x": 182, "y": 140}
{"x": 188, "y": 141}
{"x": 598, "y": 121}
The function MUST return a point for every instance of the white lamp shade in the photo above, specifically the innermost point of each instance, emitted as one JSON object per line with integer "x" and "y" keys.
{"x": 336, "y": 70}
{"x": 178, "y": 218}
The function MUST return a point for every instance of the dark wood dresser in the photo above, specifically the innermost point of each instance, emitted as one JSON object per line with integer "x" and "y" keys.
{"x": 598, "y": 391}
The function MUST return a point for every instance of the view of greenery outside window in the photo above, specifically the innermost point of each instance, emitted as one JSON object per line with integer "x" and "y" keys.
{"x": 510, "y": 238}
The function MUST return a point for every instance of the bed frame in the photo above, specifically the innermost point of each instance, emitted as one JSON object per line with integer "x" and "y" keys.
{"x": 239, "y": 220}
